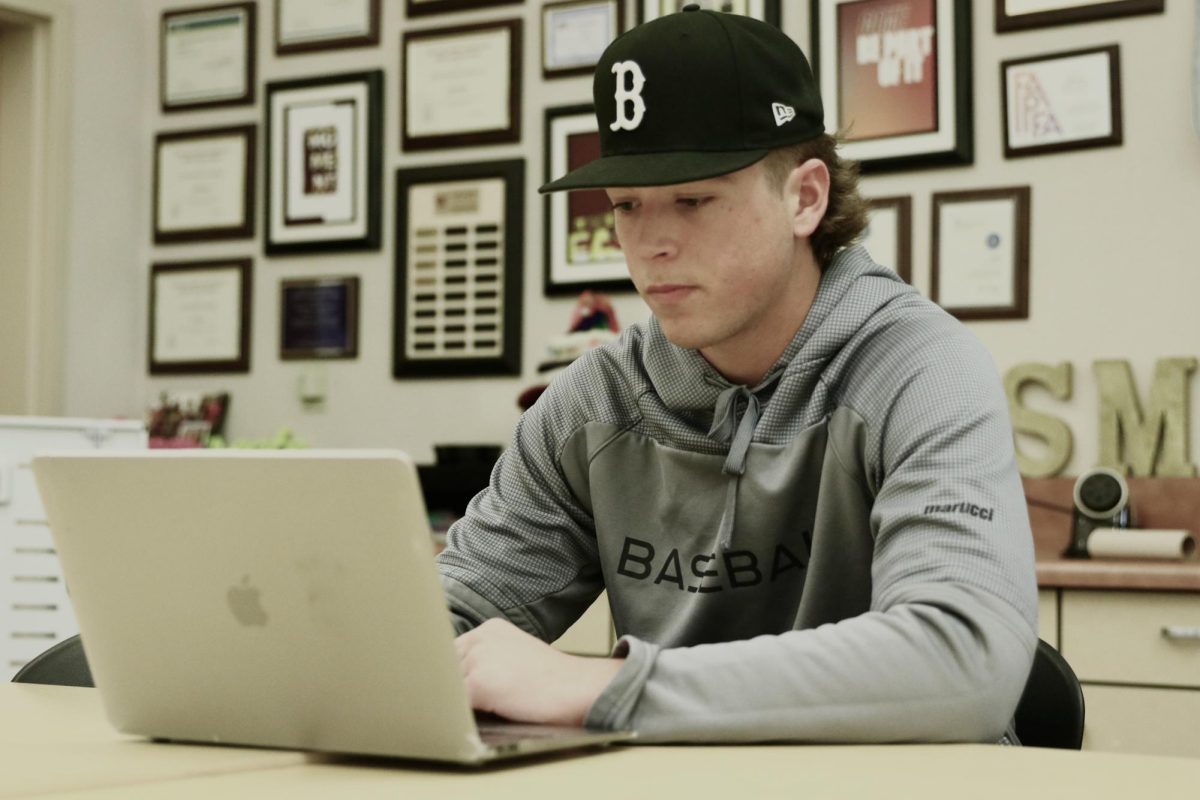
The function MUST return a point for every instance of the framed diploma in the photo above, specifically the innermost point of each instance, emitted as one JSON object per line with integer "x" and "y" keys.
{"x": 575, "y": 33}
{"x": 206, "y": 57}
{"x": 766, "y": 10}
{"x": 318, "y": 318}
{"x": 981, "y": 253}
{"x": 581, "y": 250}
{"x": 461, "y": 86}
{"x": 459, "y": 258}
{"x": 302, "y": 26}
{"x": 895, "y": 77}
{"x": 888, "y": 237}
{"x": 421, "y": 8}
{"x": 1062, "y": 101}
{"x": 200, "y": 317}
{"x": 1020, "y": 15}
{"x": 324, "y": 163}
{"x": 204, "y": 185}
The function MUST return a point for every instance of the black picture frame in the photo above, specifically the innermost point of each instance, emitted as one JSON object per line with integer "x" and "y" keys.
{"x": 652, "y": 9}
{"x": 462, "y": 309}
{"x": 243, "y": 228}
{"x": 549, "y": 71}
{"x": 318, "y": 318}
{"x": 285, "y": 234}
{"x": 562, "y": 123}
{"x": 1081, "y": 11}
{"x": 510, "y": 133}
{"x": 1020, "y": 197}
{"x": 333, "y": 42}
{"x": 1028, "y": 104}
{"x": 937, "y": 129}
{"x": 238, "y": 362}
{"x": 901, "y": 206}
{"x": 249, "y": 54}
{"x": 425, "y": 8}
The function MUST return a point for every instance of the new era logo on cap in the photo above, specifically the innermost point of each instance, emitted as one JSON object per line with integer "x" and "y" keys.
{"x": 782, "y": 113}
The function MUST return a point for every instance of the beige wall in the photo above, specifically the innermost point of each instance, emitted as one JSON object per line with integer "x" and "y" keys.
{"x": 1114, "y": 271}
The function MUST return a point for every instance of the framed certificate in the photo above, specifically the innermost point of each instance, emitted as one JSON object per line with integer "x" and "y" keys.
{"x": 888, "y": 237}
{"x": 324, "y": 163}
{"x": 200, "y": 317}
{"x": 1020, "y": 15}
{"x": 895, "y": 78}
{"x": 204, "y": 185}
{"x": 981, "y": 253}
{"x": 206, "y": 57}
{"x": 302, "y": 26}
{"x": 461, "y": 86}
{"x": 766, "y": 10}
{"x": 581, "y": 250}
{"x": 1062, "y": 101}
{"x": 459, "y": 258}
{"x": 575, "y": 33}
{"x": 421, "y": 8}
{"x": 318, "y": 318}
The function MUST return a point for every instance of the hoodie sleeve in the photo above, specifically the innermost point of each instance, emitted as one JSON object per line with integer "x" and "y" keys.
{"x": 944, "y": 651}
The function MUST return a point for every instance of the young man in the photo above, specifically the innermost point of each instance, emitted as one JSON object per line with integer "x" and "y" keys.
{"x": 796, "y": 482}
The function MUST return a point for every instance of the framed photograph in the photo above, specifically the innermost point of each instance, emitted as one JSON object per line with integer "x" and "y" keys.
{"x": 459, "y": 259}
{"x": 204, "y": 185}
{"x": 318, "y": 318}
{"x": 206, "y": 57}
{"x": 302, "y": 26}
{"x": 888, "y": 237}
{"x": 766, "y": 10}
{"x": 981, "y": 253}
{"x": 421, "y": 8}
{"x": 200, "y": 317}
{"x": 324, "y": 163}
{"x": 575, "y": 33}
{"x": 895, "y": 78}
{"x": 1020, "y": 15}
{"x": 581, "y": 250}
{"x": 1062, "y": 101}
{"x": 461, "y": 86}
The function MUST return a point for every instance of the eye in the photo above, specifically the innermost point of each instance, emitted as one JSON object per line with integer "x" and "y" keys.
{"x": 623, "y": 206}
{"x": 692, "y": 202}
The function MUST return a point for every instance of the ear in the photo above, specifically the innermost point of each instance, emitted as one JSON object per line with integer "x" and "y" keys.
{"x": 807, "y": 192}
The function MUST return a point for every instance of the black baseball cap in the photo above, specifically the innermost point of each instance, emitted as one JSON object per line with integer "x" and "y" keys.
{"x": 695, "y": 95}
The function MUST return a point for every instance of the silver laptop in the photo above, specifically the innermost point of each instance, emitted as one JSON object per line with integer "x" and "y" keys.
{"x": 270, "y": 598}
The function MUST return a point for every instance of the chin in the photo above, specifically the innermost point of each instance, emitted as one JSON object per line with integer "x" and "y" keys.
{"x": 683, "y": 335}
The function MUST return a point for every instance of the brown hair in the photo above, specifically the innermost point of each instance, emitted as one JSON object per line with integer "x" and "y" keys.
{"x": 846, "y": 216}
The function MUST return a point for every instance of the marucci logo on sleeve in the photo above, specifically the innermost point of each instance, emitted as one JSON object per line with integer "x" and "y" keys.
{"x": 962, "y": 508}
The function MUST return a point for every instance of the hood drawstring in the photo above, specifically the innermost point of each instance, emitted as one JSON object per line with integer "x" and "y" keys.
{"x": 726, "y": 427}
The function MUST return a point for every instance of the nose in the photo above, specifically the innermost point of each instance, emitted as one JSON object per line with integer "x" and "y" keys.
{"x": 655, "y": 240}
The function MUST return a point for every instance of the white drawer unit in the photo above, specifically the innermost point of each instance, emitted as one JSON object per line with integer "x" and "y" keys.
{"x": 35, "y": 611}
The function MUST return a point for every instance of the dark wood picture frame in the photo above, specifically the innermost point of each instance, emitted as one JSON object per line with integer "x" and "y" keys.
{"x": 417, "y": 8}
{"x": 556, "y": 208}
{"x": 242, "y": 230}
{"x": 251, "y": 53}
{"x": 333, "y": 42}
{"x": 315, "y": 290}
{"x": 902, "y": 205}
{"x": 508, "y": 361}
{"x": 549, "y": 9}
{"x": 952, "y": 82}
{"x": 510, "y": 134}
{"x": 1116, "y": 135}
{"x": 1020, "y": 196}
{"x": 241, "y": 363}
{"x": 770, "y": 11}
{"x": 368, "y": 168}
{"x": 1087, "y": 12}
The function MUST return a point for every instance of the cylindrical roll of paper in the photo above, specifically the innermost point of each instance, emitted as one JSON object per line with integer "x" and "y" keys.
{"x": 1134, "y": 543}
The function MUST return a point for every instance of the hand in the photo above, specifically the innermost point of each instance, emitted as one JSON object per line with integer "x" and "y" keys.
{"x": 520, "y": 677}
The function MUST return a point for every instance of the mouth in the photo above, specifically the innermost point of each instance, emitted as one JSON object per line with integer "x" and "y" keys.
{"x": 669, "y": 292}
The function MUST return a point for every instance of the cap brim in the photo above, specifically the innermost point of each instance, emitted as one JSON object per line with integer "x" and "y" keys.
{"x": 654, "y": 169}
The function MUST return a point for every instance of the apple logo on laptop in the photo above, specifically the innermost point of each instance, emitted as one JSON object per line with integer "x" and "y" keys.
{"x": 246, "y": 603}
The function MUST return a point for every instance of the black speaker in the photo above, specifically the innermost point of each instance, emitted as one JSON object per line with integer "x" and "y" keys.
{"x": 1101, "y": 501}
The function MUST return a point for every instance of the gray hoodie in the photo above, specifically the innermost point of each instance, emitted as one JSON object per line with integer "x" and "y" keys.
{"x": 841, "y": 553}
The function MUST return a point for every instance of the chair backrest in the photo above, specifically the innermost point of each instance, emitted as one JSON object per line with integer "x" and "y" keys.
{"x": 64, "y": 664}
{"x": 1050, "y": 713}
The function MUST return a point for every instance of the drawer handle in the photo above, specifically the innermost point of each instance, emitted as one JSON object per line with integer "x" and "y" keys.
{"x": 1181, "y": 633}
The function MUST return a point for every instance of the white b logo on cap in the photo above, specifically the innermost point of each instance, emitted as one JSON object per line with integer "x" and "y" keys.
{"x": 631, "y": 94}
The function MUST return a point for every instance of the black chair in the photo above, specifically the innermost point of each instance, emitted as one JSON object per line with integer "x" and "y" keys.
{"x": 64, "y": 664}
{"x": 1050, "y": 713}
